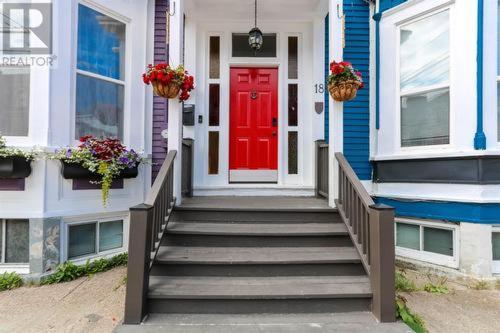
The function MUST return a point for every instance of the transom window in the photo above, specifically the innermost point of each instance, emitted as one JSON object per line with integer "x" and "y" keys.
{"x": 15, "y": 97}
{"x": 424, "y": 81}
{"x": 14, "y": 241}
{"x": 242, "y": 49}
{"x": 100, "y": 80}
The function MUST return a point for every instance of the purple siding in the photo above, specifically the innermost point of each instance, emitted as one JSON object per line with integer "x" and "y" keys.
{"x": 159, "y": 104}
{"x": 12, "y": 184}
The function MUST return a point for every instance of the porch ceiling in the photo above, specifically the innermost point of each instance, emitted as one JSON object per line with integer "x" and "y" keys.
{"x": 275, "y": 10}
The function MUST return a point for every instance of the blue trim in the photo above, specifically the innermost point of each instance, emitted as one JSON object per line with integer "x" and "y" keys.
{"x": 487, "y": 213}
{"x": 377, "y": 18}
{"x": 480, "y": 138}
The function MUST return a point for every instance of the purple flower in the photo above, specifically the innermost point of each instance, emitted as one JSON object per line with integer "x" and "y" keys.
{"x": 69, "y": 152}
{"x": 124, "y": 160}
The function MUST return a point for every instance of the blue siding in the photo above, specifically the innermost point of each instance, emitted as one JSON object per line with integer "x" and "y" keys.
{"x": 388, "y": 4}
{"x": 327, "y": 71}
{"x": 357, "y": 112}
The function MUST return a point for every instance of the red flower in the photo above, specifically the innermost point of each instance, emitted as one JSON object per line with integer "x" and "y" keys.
{"x": 86, "y": 138}
{"x": 338, "y": 69}
{"x": 145, "y": 78}
{"x": 345, "y": 63}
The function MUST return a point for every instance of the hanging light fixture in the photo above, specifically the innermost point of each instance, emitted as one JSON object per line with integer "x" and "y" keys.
{"x": 255, "y": 38}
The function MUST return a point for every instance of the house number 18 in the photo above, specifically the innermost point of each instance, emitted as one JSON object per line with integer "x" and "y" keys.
{"x": 320, "y": 88}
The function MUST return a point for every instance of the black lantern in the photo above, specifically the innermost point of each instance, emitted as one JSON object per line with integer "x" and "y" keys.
{"x": 255, "y": 37}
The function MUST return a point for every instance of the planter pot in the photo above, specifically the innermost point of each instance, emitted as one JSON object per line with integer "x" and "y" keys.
{"x": 14, "y": 167}
{"x": 170, "y": 90}
{"x": 76, "y": 171}
{"x": 345, "y": 91}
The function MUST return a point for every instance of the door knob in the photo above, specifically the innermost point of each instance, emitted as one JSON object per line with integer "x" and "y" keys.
{"x": 275, "y": 133}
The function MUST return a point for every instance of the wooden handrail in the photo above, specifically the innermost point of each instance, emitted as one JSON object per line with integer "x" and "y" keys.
{"x": 148, "y": 223}
{"x": 371, "y": 228}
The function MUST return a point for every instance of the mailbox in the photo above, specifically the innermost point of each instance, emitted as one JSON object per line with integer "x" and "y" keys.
{"x": 188, "y": 115}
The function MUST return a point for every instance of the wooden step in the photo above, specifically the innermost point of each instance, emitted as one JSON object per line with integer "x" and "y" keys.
{"x": 255, "y": 216}
{"x": 256, "y": 255}
{"x": 296, "y": 287}
{"x": 258, "y": 229}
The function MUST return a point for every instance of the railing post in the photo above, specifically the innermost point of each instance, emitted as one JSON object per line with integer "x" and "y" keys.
{"x": 318, "y": 168}
{"x": 139, "y": 256}
{"x": 382, "y": 262}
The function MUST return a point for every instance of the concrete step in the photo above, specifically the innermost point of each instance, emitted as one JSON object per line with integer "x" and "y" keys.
{"x": 353, "y": 322}
{"x": 237, "y": 295}
{"x": 256, "y": 255}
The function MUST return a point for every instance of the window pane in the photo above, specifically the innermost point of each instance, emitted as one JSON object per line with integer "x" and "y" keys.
{"x": 81, "y": 240}
{"x": 213, "y": 153}
{"x": 15, "y": 97}
{"x": 110, "y": 235}
{"x": 214, "y": 101}
{"x": 498, "y": 110}
{"x": 438, "y": 241}
{"x": 17, "y": 241}
{"x": 214, "y": 57}
{"x": 292, "y": 105}
{"x": 425, "y": 52}
{"x": 408, "y": 236}
{"x": 101, "y": 44}
{"x": 99, "y": 108}
{"x": 293, "y": 54}
{"x": 1, "y": 240}
{"x": 498, "y": 38}
{"x": 293, "y": 153}
{"x": 241, "y": 48}
{"x": 425, "y": 119}
{"x": 496, "y": 245}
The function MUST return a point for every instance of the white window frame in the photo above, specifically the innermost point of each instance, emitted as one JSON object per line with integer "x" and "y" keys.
{"x": 422, "y": 90}
{"x": 98, "y": 254}
{"x": 20, "y": 268}
{"x": 495, "y": 264}
{"x": 124, "y": 82}
{"x": 430, "y": 257}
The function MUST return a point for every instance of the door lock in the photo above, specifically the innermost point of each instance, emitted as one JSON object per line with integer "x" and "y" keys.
{"x": 275, "y": 122}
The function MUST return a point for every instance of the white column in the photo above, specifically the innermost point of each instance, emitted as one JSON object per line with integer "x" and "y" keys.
{"x": 174, "y": 107}
{"x": 336, "y": 120}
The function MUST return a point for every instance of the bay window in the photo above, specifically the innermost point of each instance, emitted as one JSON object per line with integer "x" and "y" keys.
{"x": 100, "y": 81}
{"x": 424, "y": 81}
{"x": 15, "y": 96}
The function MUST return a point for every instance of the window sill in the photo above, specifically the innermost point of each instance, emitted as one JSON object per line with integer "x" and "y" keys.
{"x": 16, "y": 268}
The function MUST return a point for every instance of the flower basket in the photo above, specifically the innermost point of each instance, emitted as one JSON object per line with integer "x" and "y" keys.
{"x": 77, "y": 171}
{"x": 344, "y": 91}
{"x": 15, "y": 167}
{"x": 170, "y": 90}
{"x": 169, "y": 82}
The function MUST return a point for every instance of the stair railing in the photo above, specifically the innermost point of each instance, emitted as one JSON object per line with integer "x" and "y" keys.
{"x": 148, "y": 222}
{"x": 371, "y": 228}
{"x": 322, "y": 169}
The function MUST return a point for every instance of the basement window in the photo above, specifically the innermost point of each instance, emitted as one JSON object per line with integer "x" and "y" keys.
{"x": 495, "y": 240}
{"x": 14, "y": 241}
{"x": 432, "y": 242}
{"x": 88, "y": 239}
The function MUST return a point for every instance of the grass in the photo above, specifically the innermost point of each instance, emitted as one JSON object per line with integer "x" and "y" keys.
{"x": 68, "y": 271}
{"x": 403, "y": 284}
{"x": 9, "y": 281}
{"x": 414, "y": 321}
{"x": 480, "y": 285}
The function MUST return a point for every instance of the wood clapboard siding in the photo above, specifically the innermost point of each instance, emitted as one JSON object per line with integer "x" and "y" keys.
{"x": 357, "y": 112}
{"x": 388, "y": 4}
{"x": 160, "y": 105}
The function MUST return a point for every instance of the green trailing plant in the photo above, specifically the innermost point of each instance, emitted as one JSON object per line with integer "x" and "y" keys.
{"x": 68, "y": 271}
{"x": 403, "y": 284}
{"x": 414, "y": 321}
{"x": 6, "y": 151}
{"x": 9, "y": 281}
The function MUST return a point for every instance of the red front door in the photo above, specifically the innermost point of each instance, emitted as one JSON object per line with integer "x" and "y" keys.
{"x": 253, "y": 143}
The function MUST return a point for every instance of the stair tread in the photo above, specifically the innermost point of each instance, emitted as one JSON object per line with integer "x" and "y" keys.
{"x": 256, "y": 255}
{"x": 295, "y": 287}
{"x": 257, "y": 229}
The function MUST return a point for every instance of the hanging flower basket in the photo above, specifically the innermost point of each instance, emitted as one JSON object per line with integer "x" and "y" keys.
{"x": 169, "y": 82}
{"x": 170, "y": 90}
{"x": 344, "y": 91}
{"x": 344, "y": 81}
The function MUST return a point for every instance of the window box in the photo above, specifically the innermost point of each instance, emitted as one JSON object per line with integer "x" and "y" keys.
{"x": 15, "y": 167}
{"x": 77, "y": 171}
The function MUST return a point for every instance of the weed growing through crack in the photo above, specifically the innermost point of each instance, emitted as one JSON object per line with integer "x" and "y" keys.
{"x": 439, "y": 287}
{"x": 414, "y": 321}
{"x": 403, "y": 284}
{"x": 481, "y": 285}
{"x": 9, "y": 281}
